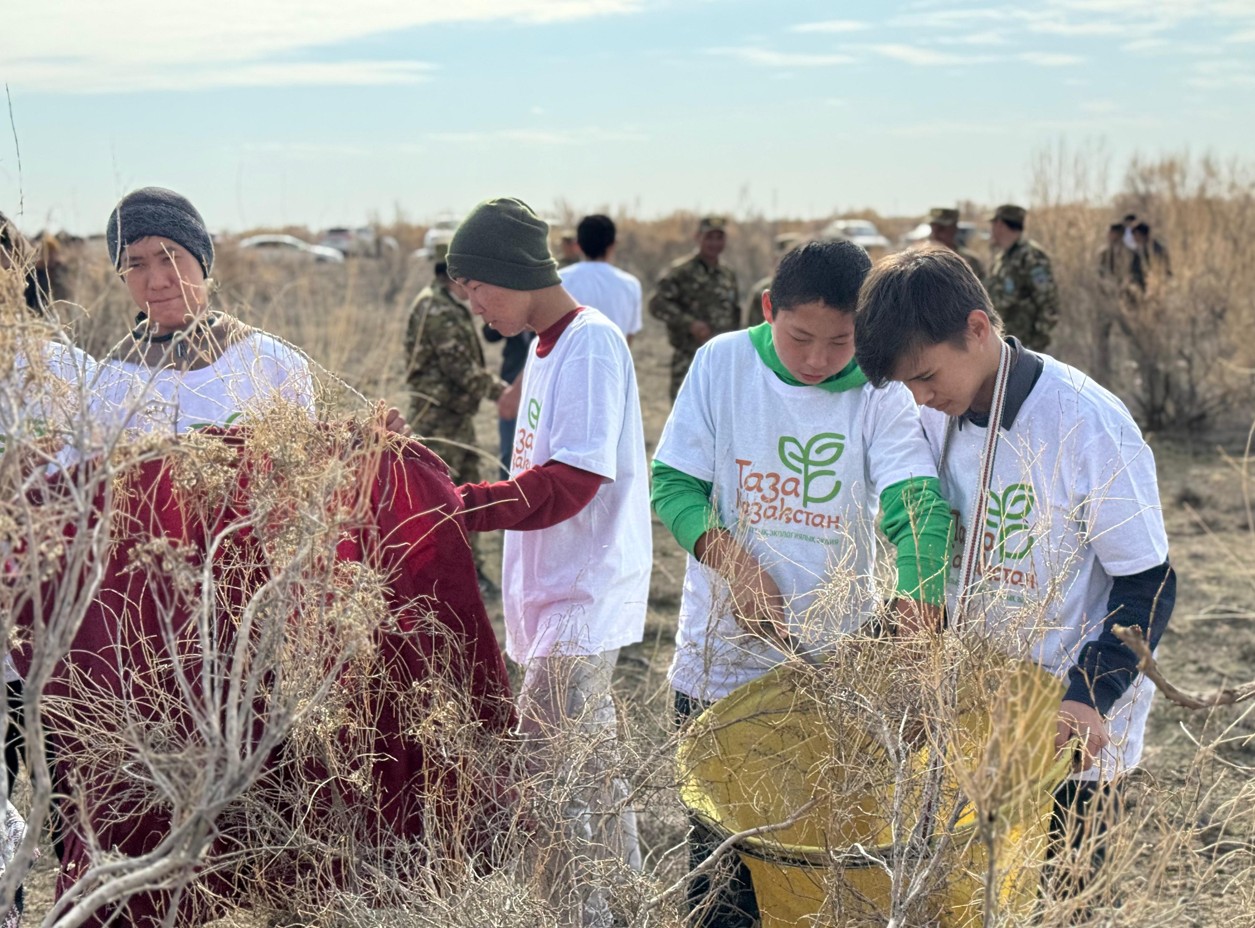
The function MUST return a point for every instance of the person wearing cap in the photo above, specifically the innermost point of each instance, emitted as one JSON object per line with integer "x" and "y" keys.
{"x": 578, "y": 544}
{"x": 447, "y": 379}
{"x": 697, "y": 298}
{"x": 944, "y": 223}
{"x": 1021, "y": 282}
{"x": 186, "y": 364}
{"x": 753, "y": 314}
{"x": 569, "y": 248}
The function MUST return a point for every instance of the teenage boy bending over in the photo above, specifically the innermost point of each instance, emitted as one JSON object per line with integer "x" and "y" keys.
{"x": 578, "y": 551}
{"x": 770, "y": 471}
{"x": 1074, "y": 537}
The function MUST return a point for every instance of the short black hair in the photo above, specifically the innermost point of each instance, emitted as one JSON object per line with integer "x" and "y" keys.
{"x": 1142, "y": 228}
{"x": 820, "y": 272}
{"x": 1116, "y": 227}
{"x": 595, "y": 235}
{"x": 913, "y": 300}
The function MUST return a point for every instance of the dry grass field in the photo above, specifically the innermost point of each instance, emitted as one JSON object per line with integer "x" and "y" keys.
{"x": 1185, "y": 361}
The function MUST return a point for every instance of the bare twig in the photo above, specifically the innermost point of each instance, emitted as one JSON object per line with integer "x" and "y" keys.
{"x": 1146, "y": 663}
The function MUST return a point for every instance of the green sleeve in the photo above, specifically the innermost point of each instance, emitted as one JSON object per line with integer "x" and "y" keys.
{"x": 915, "y": 518}
{"x": 683, "y": 504}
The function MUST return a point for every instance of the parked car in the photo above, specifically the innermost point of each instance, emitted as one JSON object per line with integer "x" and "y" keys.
{"x": 859, "y": 231}
{"x": 352, "y": 243}
{"x": 440, "y": 233}
{"x": 970, "y": 235}
{"x": 291, "y": 246}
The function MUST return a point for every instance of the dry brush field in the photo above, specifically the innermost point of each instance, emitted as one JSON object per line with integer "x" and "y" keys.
{"x": 1186, "y": 362}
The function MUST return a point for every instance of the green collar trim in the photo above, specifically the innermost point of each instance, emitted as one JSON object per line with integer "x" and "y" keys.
{"x": 850, "y": 378}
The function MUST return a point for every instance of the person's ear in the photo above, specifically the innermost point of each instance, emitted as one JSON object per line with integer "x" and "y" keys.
{"x": 768, "y": 313}
{"x": 978, "y": 325}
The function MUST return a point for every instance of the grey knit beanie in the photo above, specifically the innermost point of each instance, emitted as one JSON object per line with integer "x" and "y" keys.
{"x": 503, "y": 242}
{"x": 158, "y": 211}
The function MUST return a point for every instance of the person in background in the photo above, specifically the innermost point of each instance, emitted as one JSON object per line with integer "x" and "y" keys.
{"x": 447, "y": 378}
{"x": 753, "y": 315}
{"x": 1150, "y": 258}
{"x": 1021, "y": 282}
{"x": 697, "y": 298}
{"x": 596, "y": 281}
{"x": 944, "y": 223}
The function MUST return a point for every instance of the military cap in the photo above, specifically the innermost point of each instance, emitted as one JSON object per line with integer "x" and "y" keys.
{"x": 440, "y": 252}
{"x": 711, "y": 224}
{"x": 1008, "y": 212}
{"x": 943, "y": 216}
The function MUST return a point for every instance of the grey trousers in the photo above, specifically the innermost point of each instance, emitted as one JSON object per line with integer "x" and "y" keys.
{"x": 587, "y": 828}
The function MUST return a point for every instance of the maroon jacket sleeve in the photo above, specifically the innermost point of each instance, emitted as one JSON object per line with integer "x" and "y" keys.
{"x": 537, "y": 498}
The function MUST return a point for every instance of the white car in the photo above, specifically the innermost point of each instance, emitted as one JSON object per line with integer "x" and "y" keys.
{"x": 291, "y": 246}
{"x": 859, "y": 231}
{"x": 440, "y": 233}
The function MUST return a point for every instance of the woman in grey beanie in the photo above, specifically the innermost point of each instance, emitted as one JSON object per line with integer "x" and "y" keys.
{"x": 187, "y": 363}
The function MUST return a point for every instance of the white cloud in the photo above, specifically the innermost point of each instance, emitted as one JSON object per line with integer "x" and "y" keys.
{"x": 1050, "y": 59}
{"x": 775, "y": 59}
{"x": 831, "y": 26}
{"x": 68, "y": 45}
{"x": 1146, "y": 45}
{"x": 914, "y": 54}
{"x": 988, "y": 37}
{"x": 540, "y": 137}
{"x": 1099, "y": 106}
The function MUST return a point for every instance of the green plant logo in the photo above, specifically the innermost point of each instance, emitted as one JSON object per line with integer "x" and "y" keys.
{"x": 1007, "y": 517}
{"x": 533, "y": 412}
{"x": 814, "y": 461}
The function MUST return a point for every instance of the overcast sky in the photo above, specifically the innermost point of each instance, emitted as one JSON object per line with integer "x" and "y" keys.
{"x": 321, "y": 112}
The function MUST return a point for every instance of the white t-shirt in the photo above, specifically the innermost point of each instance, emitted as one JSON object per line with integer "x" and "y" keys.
{"x": 616, "y": 293}
{"x": 44, "y": 401}
{"x": 580, "y": 587}
{"x": 1074, "y": 502}
{"x": 250, "y": 373}
{"x": 797, "y": 474}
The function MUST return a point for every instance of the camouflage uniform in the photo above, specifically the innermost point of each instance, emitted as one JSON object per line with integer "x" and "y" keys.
{"x": 692, "y": 291}
{"x": 447, "y": 377}
{"x": 1022, "y": 287}
{"x": 947, "y": 216}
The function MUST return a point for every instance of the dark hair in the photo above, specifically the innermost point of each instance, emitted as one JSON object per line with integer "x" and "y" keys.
{"x": 820, "y": 272}
{"x": 913, "y": 300}
{"x": 1141, "y": 228}
{"x": 1129, "y": 217}
{"x": 595, "y": 235}
{"x": 1116, "y": 227}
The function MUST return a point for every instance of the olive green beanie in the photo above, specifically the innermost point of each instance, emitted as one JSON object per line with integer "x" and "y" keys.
{"x": 503, "y": 242}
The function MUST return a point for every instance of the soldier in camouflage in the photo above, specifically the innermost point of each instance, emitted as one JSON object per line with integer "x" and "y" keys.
{"x": 944, "y": 223}
{"x": 754, "y": 304}
{"x": 447, "y": 377}
{"x": 697, "y": 298}
{"x": 1021, "y": 283}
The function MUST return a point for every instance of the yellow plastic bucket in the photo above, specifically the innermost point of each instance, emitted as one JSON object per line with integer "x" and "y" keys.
{"x": 758, "y": 756}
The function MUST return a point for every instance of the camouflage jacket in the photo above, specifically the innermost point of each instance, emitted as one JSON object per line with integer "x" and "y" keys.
{"x": 975, "y": 263}
{"x": 444, "y": 359}
{"x": 690, "y": 291}
{"x": 1022, "y": 287}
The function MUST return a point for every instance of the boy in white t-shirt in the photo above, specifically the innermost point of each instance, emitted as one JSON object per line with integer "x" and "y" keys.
{"x": 1074, "y": 536}
{"x": 578, "y": 551}
{"x": 770, "y": 472}
{"x": 595, "y": 281}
